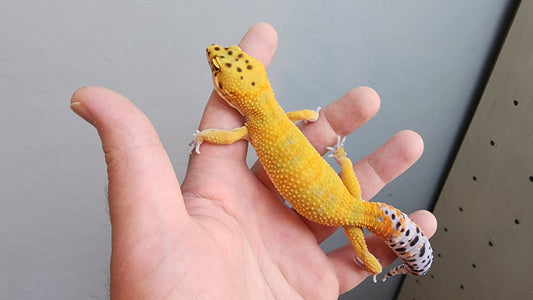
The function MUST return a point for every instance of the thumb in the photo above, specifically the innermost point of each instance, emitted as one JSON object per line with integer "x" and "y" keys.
{"x": 143, "y": 190}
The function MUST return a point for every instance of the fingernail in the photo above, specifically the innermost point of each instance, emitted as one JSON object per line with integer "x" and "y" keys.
{"x": 82, "y": 111}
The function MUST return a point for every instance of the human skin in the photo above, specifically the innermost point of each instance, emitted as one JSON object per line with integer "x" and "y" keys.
{"x": 225, "y": 233}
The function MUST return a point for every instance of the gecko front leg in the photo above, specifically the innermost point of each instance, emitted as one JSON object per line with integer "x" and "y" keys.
{"x": 218, "y": 136}
{"x": 305, "y": 115}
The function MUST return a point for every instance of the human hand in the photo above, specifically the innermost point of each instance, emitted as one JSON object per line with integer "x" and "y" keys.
{"x": 226, "y": 233}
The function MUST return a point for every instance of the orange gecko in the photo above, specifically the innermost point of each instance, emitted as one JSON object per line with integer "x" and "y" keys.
{"x": 299, "y": 172}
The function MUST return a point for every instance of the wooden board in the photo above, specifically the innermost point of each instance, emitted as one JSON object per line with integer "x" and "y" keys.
{"x": 484, "y": 243}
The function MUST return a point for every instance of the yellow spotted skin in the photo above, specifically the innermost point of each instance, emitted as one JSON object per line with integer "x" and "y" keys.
{"x": 297, "y": 170}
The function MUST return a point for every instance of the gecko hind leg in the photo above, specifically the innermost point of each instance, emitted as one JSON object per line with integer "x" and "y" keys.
{"x": 355, "y": 234}
{"x": 347, "y": 173}
{"x": 363, "y": 256}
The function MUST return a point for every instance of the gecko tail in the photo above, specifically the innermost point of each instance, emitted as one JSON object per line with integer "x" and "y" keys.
{"x": 401, "y": 269}
{"x": 406, "y": 239}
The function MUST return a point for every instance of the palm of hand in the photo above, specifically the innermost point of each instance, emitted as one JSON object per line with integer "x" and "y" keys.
{"x": 226, "y": 233}
{"x": 251, "y": 237}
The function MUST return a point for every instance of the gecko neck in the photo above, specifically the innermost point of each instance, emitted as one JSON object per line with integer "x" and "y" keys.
{"x": 263, "y": 108}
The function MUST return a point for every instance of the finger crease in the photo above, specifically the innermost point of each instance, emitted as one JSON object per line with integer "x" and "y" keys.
{"x": 374, "y": 170}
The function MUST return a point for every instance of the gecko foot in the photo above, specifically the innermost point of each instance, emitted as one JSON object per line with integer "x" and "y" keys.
{"x": 317, "y": 116}
{"x": 195, "y": 144}
{"x": 361, "y": 264}
{"x": 340, "y": 144}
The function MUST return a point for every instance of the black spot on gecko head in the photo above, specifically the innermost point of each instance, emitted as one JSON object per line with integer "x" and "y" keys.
{"x": 237, "y": 76}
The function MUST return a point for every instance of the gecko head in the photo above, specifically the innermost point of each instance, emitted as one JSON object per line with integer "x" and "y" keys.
{"x": 237, "y": 77}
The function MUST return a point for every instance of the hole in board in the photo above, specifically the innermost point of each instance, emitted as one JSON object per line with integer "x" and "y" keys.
{"x": 491, "y": 244}
{"x": 474, "y": 266}
{"x": 516, "y": 221}
{"x": 474, "y": 178}
{"x": 515, "y": 102}
{"x": 462, "y": 287}
{"x": 460, "y": 208}
{"x": 492, "y": 143}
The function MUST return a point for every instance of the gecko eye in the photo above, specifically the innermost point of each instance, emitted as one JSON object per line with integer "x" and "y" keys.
{"x": 215, "y": 64}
